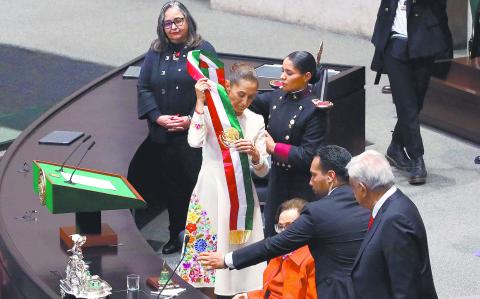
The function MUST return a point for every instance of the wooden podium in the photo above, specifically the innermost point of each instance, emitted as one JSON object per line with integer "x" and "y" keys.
{"x": 452, "y": 102}
{"x": 87, "y": 194}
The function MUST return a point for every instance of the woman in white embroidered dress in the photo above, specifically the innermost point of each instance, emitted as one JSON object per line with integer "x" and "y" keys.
{"x": 208, "y": 213}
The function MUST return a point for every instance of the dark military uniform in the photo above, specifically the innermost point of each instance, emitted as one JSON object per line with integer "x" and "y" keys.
{"x": 165, "y": 168}
{"x": 298, "y": 128}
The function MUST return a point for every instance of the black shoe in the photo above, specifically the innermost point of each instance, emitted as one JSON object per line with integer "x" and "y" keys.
{"x": 397, "y": 157}
{"x": 172, "y": 246}
{"x": 418, "y": 174}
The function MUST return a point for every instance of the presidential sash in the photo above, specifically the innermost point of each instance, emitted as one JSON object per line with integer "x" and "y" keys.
{"x": 202, "y": 64}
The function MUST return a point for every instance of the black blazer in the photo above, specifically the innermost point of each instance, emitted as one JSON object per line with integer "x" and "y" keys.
{"x": 393, "y": 260}
{"x": 427, "y": 26}
{"x": 333, "y": 227}
{"x": 165, "y": 87}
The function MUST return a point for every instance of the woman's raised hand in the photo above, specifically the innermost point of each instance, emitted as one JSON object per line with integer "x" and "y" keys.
{"x": 200, "y": 87}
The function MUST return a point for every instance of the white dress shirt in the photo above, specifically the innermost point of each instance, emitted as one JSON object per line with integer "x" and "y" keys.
{"x": 382, "y": 200}
{"x": 400, "y": 21}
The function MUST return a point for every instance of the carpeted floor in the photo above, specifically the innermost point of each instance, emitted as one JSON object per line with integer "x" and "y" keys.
{"x": 33, "y": 81}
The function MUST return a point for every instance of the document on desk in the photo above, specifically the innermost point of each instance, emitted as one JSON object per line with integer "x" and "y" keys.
{"x": 87, "y": 181}
{"x": 132, "y": 72}
{"x": 332, "y": 72}
{"x": 169, "y": 293}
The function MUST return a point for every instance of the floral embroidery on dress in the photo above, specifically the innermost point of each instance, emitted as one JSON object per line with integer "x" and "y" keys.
{"x": 201, "y": 239}
{"x": 197, "y": 125}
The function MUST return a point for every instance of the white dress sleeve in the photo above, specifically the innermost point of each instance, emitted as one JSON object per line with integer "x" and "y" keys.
{"x": 261, "y": 169}
{"x": 197, "y": 131}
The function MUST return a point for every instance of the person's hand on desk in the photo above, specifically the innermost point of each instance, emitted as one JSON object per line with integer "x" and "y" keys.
{"x": 212, "y": 260}
{"x": 241, "y": 296}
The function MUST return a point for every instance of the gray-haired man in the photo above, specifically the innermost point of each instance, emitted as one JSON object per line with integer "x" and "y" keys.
{"x": 393, "y": 259}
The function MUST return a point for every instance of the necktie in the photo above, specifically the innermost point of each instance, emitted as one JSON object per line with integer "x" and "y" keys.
{"x": 370, "y": 222}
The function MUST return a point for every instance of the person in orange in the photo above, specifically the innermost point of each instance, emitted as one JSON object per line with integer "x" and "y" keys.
{"x": 292, "y": 275}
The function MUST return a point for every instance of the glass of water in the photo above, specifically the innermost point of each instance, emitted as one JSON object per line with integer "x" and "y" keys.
{"x": 133, "y": 282}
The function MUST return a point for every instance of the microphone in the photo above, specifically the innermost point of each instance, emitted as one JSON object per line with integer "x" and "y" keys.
{"x": 185, "y": 242}
{"x": 74, "y": 150}
{"x": 76, "y": 167}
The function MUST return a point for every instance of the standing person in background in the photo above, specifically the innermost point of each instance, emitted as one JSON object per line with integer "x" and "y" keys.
{"x": 408, "y": 36}
{"x": 165, "y": 167}
{"x": 296, "y": 128}
{"x": 393, "y": 260}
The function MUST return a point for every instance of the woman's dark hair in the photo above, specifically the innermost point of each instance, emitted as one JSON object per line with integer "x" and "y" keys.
{"x": 304, "y": 62}
{"x": 291, "y": 204}
{"x": 162, "y": 40}
{"x": 242, "y": 71}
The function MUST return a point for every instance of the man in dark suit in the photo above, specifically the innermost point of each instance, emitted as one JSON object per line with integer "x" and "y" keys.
{"x": 408, "y": 36}
{"x": 333, "y": 227}
{"x": 393, "y": 259}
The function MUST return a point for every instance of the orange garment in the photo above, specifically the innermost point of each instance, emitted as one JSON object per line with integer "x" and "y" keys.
{"x": 289, "y": 277}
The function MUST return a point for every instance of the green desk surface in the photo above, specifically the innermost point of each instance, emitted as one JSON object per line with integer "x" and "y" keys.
{"x": 121, "y": 188}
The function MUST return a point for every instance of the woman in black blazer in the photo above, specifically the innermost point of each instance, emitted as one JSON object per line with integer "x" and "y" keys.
{"x": 165, "y": 168}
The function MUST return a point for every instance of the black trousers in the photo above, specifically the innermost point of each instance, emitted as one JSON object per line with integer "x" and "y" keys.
{"x": 409, "y": 79}
{"x": 165, "y": 174}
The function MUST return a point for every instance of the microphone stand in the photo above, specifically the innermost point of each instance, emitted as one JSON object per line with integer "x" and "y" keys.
{"x": 185, "y": 242}
{"x": 76, "y": 167}
{"x": 74, "y": 150}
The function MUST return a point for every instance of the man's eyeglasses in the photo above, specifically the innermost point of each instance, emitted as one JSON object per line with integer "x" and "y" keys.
{"x": 177, "y": 21}
{"x": 280, "y": 228}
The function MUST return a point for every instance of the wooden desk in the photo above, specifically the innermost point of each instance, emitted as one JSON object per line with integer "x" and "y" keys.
{"x": 452, "y": 102}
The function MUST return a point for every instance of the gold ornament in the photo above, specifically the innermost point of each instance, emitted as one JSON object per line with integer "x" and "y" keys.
{"x": 229, "y": 136}
{"x": 42, "y": 187}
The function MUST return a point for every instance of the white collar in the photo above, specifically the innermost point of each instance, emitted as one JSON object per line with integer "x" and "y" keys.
{"x": 382, "y": 200}
{"x": 330, "y": 191}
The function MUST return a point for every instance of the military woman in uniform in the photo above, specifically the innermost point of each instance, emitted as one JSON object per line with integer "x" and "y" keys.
{"x": 296, "y": 128}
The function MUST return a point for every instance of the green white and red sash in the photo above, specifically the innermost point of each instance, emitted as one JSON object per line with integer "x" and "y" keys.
{"x": 202, "y": 64}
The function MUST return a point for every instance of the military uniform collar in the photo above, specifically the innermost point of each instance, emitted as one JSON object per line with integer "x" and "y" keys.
{"x": 296, "y": 95}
